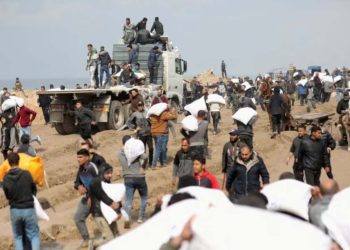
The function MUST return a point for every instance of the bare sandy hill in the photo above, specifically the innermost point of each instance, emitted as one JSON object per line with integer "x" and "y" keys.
{"x": 59, "y": 157}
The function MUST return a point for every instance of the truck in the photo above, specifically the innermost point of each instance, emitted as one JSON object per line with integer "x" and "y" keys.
{"x": 108, "y": 104}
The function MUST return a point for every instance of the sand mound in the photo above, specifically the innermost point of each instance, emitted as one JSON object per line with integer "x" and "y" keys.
{"x": 208, "y": 77}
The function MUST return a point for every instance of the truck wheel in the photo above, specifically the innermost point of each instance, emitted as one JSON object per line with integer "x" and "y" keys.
{"x": 59, "y": 128}
{"x": 116, "y": 115}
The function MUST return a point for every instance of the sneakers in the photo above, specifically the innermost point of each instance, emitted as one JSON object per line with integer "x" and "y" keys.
{"x": 39, "y": 140}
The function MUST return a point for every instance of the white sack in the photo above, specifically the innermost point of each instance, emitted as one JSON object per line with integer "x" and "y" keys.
{"x": 39, "y": 210}
{"x": 157, "y": 109}
{"x": 133, "y": 148}
{"x": 337, "y": 218}
{"x": 246, "y": 228}
{"x": 215, "y": 98}
{"x": 195, "y": 106}
{"x": 327, "y": 79}
{"x": 190, "y": 123}
{"x": 289, "y": 195}
{"x": 8, "y": 104}
{"x": 337, "y": 79}
{"x": 253, "y": 100}
{"x": 244, "y": 115}
{"x": 19, "y": 100}
{"x": 116, "y": 192}
{"x": 302, "y": 82}
{"x": 139, "y": 75}
{"x": 158, "y": 229}
{"x": 295, "y": 74}
{"x": 235, "y": 80}
{"x": 246, "y": 86}
{"x": 119, "y": 73}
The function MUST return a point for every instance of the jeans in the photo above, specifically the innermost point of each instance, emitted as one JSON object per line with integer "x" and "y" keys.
{"x": 132, "y": 184}
{"x": 161, "y": 142}
{"x": 104, "y": 68}
{"x": 80, "y": 216}
{"x": 46, "y": 113}
{"x": 25, "y": 219}
{"x": 152, "y": 74}
{"x": 147, "y": 140}
{"x": 28, "y": 131}
{"x": 302, "y": 100}
{"x": 108, "y": 232}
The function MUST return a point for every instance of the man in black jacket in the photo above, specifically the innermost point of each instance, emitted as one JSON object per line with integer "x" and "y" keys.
{"x": 157, "y": 27}
{"x": 85, "y": 118}
{"x": 97, "y": 194}
{"x": 313, "y": 156}
{"x": 44, "y": 102}
{"x": 330, "y": 143}
{"x": 95, "y": 158}
{"x": 276, "y": 106}
{"x": 229, "y": 153}
{"x": 19, "y": 189}
{"x": 86, "y": 173}
{"x": 105, "y": 61}
{"x": 244, "y": 176}
{"x": 294, "y": 151}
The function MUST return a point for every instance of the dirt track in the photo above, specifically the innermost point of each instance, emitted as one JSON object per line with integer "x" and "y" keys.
{"x": 59, "y": 157}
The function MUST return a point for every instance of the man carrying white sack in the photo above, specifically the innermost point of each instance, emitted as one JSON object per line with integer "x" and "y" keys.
{"x": 108, "y": 232}
{"x": 216, "y": 115}
{"x": 134, "y": 179}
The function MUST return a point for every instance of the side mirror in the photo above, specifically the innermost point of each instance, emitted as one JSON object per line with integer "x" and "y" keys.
{"x": 184, "y": 66}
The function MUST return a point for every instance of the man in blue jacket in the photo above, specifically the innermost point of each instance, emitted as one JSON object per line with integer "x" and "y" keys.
{"x": 244, "y": 175}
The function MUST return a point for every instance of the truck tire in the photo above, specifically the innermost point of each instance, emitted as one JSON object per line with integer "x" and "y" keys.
{"x": 59, "y": 128}
{"x": 116, "y": 115}
{"x": 67, "y": 126}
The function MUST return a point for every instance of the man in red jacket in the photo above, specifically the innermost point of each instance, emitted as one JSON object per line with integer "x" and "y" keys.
{"x": 204, "y": 178}
{"x": 25, "y": 116}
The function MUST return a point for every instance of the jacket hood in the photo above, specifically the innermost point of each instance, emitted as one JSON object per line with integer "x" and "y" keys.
{"x": 249, "y": 164}
{"x": 14, "y": 174}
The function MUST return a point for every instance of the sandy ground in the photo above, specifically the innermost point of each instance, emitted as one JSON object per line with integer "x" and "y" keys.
{"x": 59, "y": 157}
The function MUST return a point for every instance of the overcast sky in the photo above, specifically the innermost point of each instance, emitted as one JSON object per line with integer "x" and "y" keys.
{"x": 47, "y": 38}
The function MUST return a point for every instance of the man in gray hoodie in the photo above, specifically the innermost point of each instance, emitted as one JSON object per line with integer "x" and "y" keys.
{"x": 142, "y": 127}
{"x": 134, "y": 179}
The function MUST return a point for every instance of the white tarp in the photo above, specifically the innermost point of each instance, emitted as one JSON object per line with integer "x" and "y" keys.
{"x": 337, "y": 218}
{"x": 116, "y": 192}
{"x": 39, "y": 210}
{"x": 133, "y": 148}
{"x": 157, "y": 109}
{"x": 290, "y": 196}
{"x": 190, "y": 123}
{"x": 246, "y": 86}
{"x": 215, "y": 98}
{"x": 158, "y": 229}
{"x": 244, "y": 115}
{"x": 8, "y": 104}
{"x": 196, "y": 106}
{"x": 302, "y": 82}
{"x": 246, "y": 228}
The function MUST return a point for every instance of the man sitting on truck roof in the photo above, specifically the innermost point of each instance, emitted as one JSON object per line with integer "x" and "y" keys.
{"x": 157, "y": 27}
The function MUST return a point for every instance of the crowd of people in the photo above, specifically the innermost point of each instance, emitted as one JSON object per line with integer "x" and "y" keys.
{"x": 244, "y": 170}
{"x": 129, "y": 73}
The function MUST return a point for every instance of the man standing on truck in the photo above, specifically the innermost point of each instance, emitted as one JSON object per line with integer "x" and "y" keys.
{"x": 157, "y": 27}
{"x": 91, "y": 66}
{"x": 85, "y": 118}
{"x": 128, "y": 31}
{"x": 223, "y": 69}
{"x": 152, "y": 64}
{"x": 105, "y": 61}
